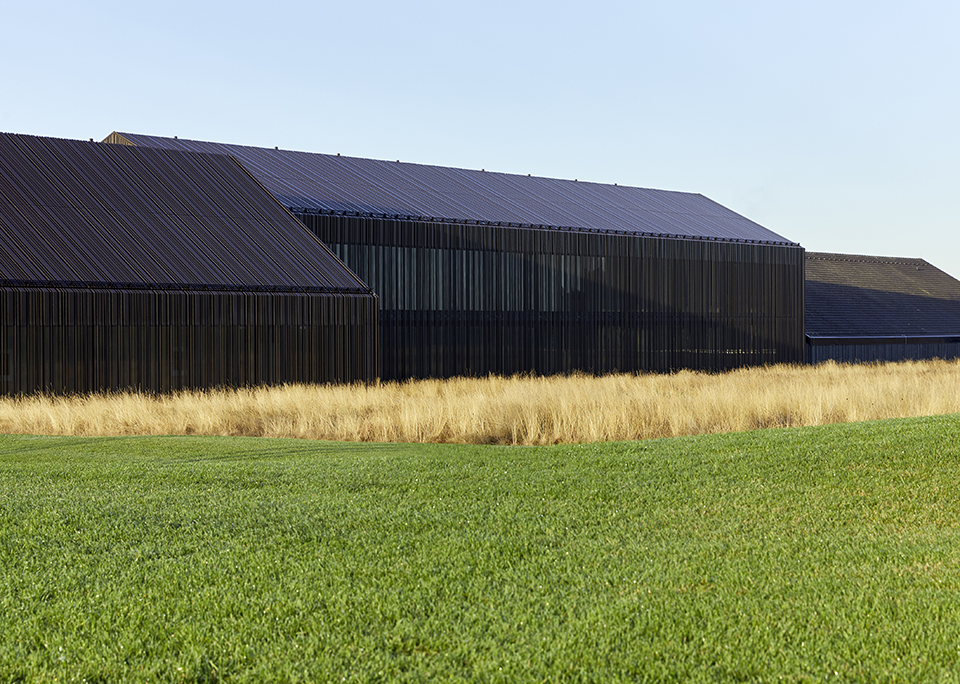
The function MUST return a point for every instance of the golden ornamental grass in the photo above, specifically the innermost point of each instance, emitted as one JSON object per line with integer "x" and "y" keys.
{"x": 514, "y": 410}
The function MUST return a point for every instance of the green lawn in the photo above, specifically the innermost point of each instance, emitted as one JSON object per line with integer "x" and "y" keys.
{"x": 785, "y": 555}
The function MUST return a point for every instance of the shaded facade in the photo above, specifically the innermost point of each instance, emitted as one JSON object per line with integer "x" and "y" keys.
{"x": 869, "y": 308}
{"x": 480, "y": 272}
{"x": 161, "y": 270}
{"x": 475, "y": 299}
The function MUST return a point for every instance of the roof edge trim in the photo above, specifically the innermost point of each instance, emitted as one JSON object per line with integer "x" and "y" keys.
{"x": 180, "y": 287}
{"x": 823, "y": 340}
{"x": 306, "y": 211}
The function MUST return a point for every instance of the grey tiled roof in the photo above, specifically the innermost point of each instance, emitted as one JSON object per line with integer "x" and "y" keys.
{"x": 856, "y": 295}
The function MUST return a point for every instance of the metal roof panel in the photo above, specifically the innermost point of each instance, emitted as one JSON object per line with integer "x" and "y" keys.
{"x": 332, "y": 183}
{"x": 79, "y": 212}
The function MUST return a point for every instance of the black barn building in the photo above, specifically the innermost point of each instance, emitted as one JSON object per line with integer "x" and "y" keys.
{"x": 870, "y": 308}
{"x": 480, "y": 272}
{"x": 156, "y": 269}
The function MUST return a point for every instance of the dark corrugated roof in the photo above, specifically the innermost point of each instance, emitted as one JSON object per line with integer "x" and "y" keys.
{"x": 854, "y": 295}
{"x": 87, "y": 214}
{"x": 328, "y": 183}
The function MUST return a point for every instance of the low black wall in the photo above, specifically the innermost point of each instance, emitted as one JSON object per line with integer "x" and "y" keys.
{"x": 77, "y": 340}
{"x": 867, "y": 350}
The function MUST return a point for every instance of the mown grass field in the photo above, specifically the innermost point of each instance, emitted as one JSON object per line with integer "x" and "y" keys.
{"x": 805, "y": 554}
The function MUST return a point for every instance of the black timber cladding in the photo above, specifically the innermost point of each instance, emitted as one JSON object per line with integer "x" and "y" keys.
{"x": 475, "y": 299}
{"x": 875, "y": 308}
{"x": 481, "y": 273}
{"x": 125, "y": 267}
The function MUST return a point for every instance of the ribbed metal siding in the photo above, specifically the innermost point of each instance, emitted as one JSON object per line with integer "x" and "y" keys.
{"x": 471, "y": 299}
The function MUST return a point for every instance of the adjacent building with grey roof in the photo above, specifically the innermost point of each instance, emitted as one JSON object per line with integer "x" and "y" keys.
{"x": 873, "y": 308}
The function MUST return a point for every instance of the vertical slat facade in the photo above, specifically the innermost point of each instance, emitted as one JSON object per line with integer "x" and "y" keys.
{"x": 85, "y": 340}
{"x": 472, "y": 299}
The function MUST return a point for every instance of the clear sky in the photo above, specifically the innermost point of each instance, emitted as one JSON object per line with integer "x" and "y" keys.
{"x": 834, "y": 124}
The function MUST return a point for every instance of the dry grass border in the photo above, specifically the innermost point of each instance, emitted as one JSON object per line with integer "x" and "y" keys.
{"x": 515, "y": 410}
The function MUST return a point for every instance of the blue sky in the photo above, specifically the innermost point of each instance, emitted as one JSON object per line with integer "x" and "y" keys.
{"x": 831, "y": 123}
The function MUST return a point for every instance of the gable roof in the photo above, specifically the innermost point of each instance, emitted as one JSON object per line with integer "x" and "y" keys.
{"x": 323, "y": 183}
{"x": 84, "y": 214}
{"x": 856, "y": 295}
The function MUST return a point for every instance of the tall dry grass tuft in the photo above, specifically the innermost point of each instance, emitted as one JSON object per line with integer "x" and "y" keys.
{"x": 514, "y": 410}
